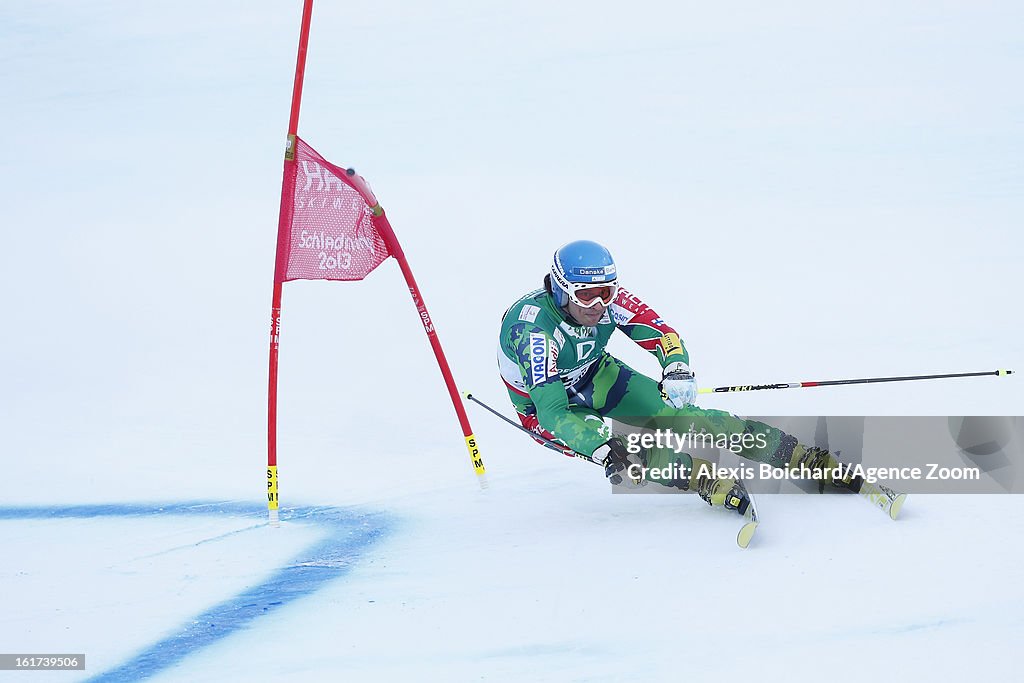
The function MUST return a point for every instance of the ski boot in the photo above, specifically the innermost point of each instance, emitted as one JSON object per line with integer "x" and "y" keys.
{"x": 729, "y": 493}
{"x": 814, "y": 458}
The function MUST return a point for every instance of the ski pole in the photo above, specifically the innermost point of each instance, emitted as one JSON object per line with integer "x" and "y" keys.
{"x": 835, "y": 382}
{"x": 539, "y": 437}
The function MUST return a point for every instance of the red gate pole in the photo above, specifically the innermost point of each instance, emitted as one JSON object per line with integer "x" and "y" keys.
{"x": 383, "y": 226}
{"x": 275, "y": 310}
{"x": 435, "y": 344}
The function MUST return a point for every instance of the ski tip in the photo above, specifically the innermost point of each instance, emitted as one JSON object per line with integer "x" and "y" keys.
{"x": 1004, "y": 373}
{"x": 897, "y": 505}
{"x": 745, "y": 534}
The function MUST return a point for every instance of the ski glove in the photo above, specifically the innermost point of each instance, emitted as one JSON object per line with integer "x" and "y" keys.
{"x": 678, "y": 387}
{"x": 619, "y": 464}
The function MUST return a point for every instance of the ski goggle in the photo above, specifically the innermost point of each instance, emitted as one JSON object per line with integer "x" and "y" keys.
{"x": 587, "y": 295}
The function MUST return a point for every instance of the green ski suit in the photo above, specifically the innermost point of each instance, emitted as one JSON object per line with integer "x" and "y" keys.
{"x": 563, "y": 383}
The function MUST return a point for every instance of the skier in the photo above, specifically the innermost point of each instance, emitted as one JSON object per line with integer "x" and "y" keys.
{"x": 563, "y": 384}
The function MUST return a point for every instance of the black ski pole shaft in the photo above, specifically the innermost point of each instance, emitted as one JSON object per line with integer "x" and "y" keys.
{"x": 539, "y": 437}
{"x": 836, "y": 382}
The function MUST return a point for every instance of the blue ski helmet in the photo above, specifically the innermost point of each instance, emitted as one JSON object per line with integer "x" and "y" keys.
{"x": 583, "y": 265}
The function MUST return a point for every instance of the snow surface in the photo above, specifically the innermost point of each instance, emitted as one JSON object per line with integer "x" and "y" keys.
{"x": 805, "y": 190}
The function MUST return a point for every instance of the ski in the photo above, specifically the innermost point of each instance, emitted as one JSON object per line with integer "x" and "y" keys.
{"x": 740, "y": 500}
{"x": 883, "y": 498}
{"x": 877, "y": 495}
{"x": 746, "y": 532}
